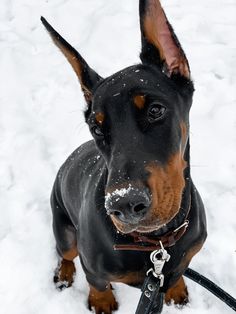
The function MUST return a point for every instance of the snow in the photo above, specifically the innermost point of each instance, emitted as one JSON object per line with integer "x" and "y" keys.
{"x": 41, "y": 123}
{"x": 118, "y": 193}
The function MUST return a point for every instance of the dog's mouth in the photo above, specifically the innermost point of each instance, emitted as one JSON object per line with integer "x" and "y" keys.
{"x": 143, "y": 227}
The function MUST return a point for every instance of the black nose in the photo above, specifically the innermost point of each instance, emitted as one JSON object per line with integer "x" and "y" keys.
{"x": 128, "y": 205}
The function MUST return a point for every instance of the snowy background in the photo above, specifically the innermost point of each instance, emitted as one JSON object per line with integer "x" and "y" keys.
{"x": 41, "y": 123}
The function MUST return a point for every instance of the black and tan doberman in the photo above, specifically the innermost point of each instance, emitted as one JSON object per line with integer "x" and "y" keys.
{"x": 121, "y": 193}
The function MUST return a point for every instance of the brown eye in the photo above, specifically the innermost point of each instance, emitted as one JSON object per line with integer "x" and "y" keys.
{"x": 156, "y": 112}
{"x": 96, "y": 130}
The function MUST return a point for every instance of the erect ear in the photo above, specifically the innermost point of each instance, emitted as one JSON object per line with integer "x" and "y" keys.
{"x": 88, "y": 78}
{"x": 160, "y": 45}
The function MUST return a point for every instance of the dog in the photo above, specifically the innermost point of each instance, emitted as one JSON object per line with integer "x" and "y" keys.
{"x": 117, "y": 196}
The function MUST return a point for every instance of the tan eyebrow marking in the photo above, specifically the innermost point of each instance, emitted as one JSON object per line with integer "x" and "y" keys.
{"x": 139, "y": 101}
{"x": 100, "y": 117}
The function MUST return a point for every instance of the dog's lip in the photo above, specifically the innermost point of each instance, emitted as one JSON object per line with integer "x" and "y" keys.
{"x": 141, "y": 229}
{"x": 127, "y": 229}
{"x": 147, "y": 230}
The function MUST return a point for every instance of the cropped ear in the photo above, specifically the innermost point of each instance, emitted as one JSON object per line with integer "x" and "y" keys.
{"x": 88, "y": 78}
{"x": 160, "y": 45}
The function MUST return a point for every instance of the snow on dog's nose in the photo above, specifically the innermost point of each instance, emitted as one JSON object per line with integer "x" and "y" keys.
{"x": 129, "y": 205}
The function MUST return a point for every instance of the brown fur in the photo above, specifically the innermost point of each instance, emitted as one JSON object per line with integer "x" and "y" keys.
{"x": 65, "y": 273}
{"x": 184, "y": 135}
{"x": 102, "y": 301}
{"x": 76, "y": 65}
{"x": 71, "y": 254}
{"x": 166, "y": 185}
{"x": 124, "y": 228}
{"x": 100, "y": 117}
{"x": 178, "y": 293}
{"x": 139, "y": 101}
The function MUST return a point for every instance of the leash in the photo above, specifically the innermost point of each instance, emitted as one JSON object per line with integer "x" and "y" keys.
{"x": 152, "y": 300}
{"x": 212, "y": 287}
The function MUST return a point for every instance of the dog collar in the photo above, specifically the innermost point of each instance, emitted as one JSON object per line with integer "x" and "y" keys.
{"x": 148, "y": 243}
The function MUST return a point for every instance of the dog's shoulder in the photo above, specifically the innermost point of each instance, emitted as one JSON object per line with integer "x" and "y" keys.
{"x": 73, "y": 175}
{"x": 82, "y": 158}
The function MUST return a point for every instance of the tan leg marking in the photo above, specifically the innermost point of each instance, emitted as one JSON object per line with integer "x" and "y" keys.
{"x": 102, "y": 301}
{"x": 178, "y": 293}
{"x": 65, "y": 272}
{"x": 71, "y": 254}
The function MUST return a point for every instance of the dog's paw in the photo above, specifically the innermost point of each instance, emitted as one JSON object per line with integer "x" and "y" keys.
{"x": 64, "y": 275}
{"x": 178, "y": 294}
{"x": 102, "y": 302}
{"x": 61, "y": 285}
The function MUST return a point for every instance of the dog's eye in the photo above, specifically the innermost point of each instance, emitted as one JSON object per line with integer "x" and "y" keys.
{"x": 155, "y": 112}
{"x": 96, "y": 130}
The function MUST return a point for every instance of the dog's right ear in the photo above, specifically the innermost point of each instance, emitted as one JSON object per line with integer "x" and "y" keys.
{"x": 88, "y": 77}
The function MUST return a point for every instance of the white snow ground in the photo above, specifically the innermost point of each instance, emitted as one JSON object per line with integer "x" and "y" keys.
{"x": 41, "y": 123}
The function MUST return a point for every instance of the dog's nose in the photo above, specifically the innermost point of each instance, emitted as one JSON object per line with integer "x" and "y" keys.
{"x": 128, "y": 205}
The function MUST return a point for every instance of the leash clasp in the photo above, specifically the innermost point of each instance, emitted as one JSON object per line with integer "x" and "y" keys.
{"x": 158, "y": 258}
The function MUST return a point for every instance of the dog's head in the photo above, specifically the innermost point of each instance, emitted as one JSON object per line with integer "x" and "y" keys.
{"x": 139, "y": 120}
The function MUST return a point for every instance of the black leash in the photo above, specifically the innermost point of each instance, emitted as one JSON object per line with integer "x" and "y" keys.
{"x": 212, "y": 287}
{"x": 151, "y": 301}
